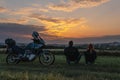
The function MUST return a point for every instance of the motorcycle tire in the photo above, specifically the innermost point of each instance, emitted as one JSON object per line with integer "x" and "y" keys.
{"x": 46, "y": 58}
{"x": 10, "y": 59}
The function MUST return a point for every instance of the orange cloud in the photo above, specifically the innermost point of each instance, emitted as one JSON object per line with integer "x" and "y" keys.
{"x": 76, "y": 4}
{"x": 20, "y": 16}
{"x": 23, "y": 11}
{"x": 58, "y": 26}
{"x": 23, "y": 14}
{"x": 28, "y": 10}
{"x": 13, "y": 20}
{"x": 2, "y": 9}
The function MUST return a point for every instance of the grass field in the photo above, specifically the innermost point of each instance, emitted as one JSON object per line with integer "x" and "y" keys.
{"x": 105, "y": 68}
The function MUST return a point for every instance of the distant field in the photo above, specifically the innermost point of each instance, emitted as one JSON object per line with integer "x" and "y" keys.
{"x": 99, "y": 52}
{"x": 105, "y": 68}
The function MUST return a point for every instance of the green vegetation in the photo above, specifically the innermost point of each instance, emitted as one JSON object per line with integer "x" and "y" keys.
{"x": 99, "y": 52}
{"x": 105, "y": 68}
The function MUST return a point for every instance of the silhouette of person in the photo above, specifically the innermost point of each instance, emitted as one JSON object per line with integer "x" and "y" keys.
{"x": 72, "y": 53}
{"x": 90, "y": 55}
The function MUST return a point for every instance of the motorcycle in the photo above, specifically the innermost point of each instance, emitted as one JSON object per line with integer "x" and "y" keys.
{"x": 30, "y": 53}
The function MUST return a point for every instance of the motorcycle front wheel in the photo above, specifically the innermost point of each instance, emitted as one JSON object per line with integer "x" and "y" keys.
{"x": 46, "y": 58}
{"x": 12, "y": 59}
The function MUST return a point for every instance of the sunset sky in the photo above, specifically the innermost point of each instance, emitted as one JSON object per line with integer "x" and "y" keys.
{"x": 59, "y": 19}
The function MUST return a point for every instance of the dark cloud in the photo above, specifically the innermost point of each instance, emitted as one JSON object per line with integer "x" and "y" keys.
{"x": 19, "y": 28}
{"x": 18, "y": 31}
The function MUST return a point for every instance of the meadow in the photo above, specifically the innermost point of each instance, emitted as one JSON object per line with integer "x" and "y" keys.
{"x": 105, "y": 68}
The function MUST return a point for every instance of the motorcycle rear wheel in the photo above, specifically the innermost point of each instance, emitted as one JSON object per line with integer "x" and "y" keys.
{"x": 46, "y": 58}
{"x": 11, "y": 59}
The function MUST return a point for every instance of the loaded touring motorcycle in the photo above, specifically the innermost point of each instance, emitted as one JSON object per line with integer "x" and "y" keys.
{"x": 31, "y": 52}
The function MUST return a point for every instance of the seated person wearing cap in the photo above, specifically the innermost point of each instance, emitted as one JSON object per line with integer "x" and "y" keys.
{"x": 72, "y": 53}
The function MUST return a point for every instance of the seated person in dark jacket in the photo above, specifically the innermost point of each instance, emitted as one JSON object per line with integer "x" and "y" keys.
{"x": 90, "y": 55}
{"x": 72, "y": 53}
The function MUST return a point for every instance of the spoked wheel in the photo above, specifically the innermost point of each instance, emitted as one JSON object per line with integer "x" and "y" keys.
{"x": 12, "y": 59}
{"x": 46, "y": 58}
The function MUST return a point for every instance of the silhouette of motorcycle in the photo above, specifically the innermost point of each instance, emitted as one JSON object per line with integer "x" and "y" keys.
{"x": 31, "y": 52}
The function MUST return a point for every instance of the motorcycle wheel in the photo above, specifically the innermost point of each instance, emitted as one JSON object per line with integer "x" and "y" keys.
{"x": 46, "y": 58}
{"x": 11, "y": 59}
